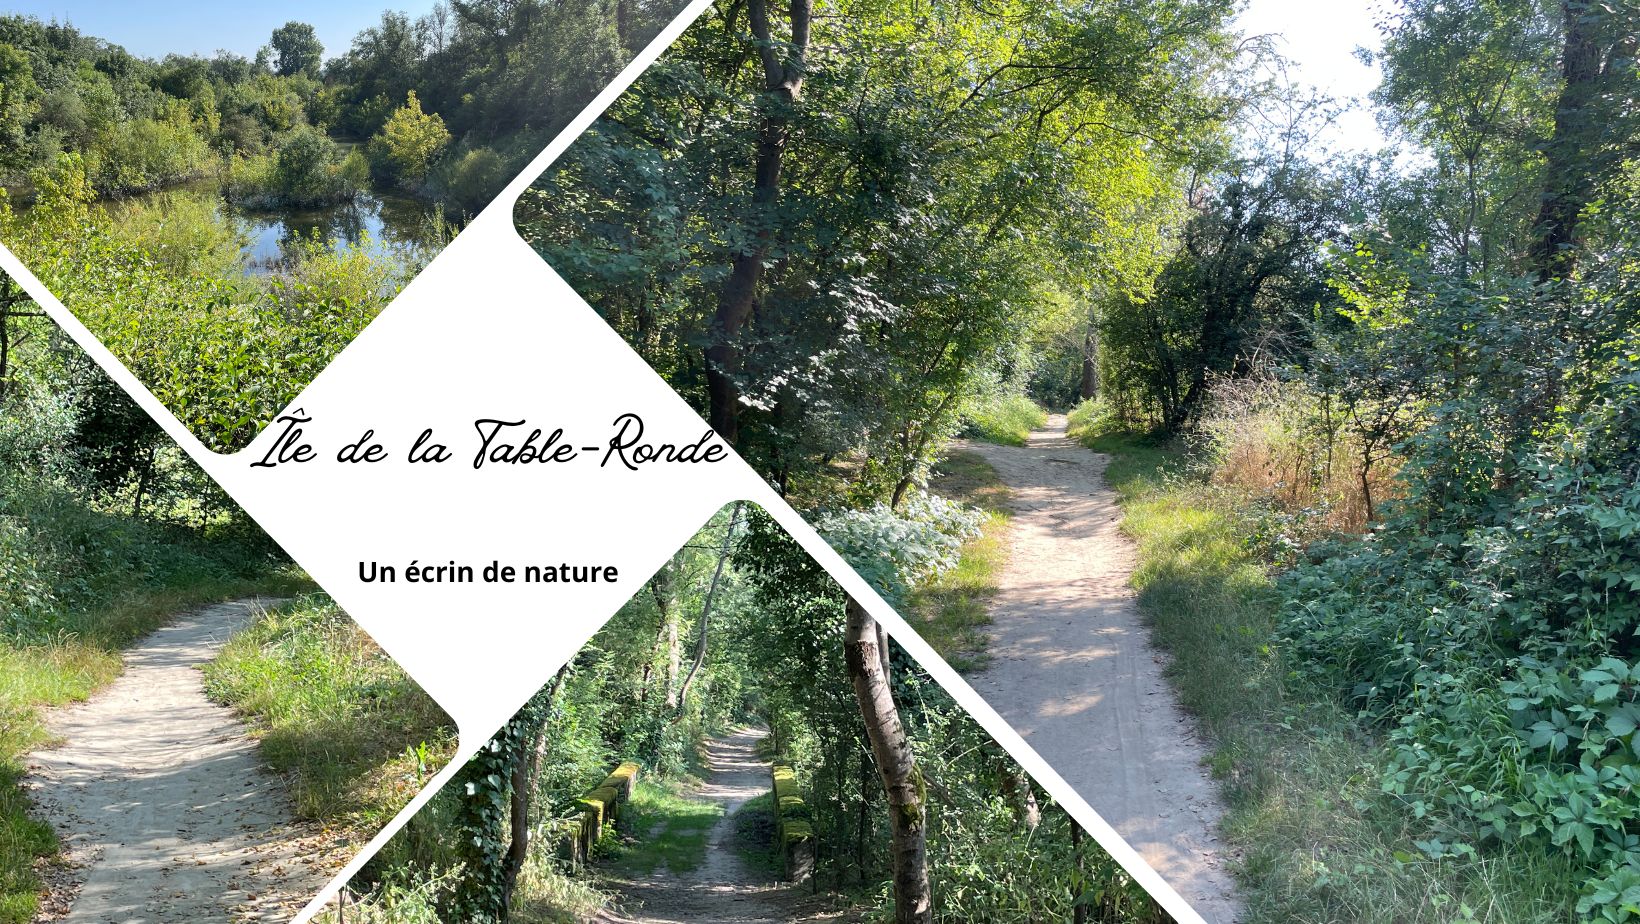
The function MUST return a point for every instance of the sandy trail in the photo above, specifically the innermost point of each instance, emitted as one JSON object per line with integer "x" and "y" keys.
{"x": 722, "y": 888}
{"x": 161, "y": 800}
{"x": 1072, "y": 668}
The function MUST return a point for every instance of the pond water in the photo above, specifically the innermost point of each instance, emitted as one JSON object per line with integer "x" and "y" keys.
{"x": 387, "y": 225}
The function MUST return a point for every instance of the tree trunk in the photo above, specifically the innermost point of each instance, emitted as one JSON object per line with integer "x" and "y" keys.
{"x": 530, "y": 750}
{"x": 1090, "y": 365}
{"x": 706, "y": 607}
{"x": 518, "y": 844}
{"x": 902, "y": 781}
{"x": 782, "y": 86}
{"x": 674, "y": 661}
{"x": 863, "y": 821}
{"x": 1079, "y": 913}
{"x": 660, "y": 587}
{"x": 1568, "y": 183}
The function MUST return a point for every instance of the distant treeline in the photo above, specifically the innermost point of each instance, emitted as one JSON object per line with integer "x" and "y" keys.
{"x": 447, "y": 105}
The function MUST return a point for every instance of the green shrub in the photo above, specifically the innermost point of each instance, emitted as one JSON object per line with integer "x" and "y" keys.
{"x": 184, "y": 235}
{"x": 142, "y": 154}
{"x": 307, "y": 170}
{"x": 409, "y": 144}
{"x": 248, "y": 176}
{"x": 474, "y": 180}
{"x": 898, "y": 550}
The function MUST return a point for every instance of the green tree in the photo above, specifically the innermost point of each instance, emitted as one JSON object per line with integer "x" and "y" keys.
{"x": 410, "y": 142}
{"x": 17, "y": 106}
{"x": 296, "y": 50}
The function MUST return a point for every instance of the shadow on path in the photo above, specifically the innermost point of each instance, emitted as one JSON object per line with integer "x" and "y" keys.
{"x": 1072, "y": 668}
{"x": 722, "y": 888}
{"x": 162, "y": 801}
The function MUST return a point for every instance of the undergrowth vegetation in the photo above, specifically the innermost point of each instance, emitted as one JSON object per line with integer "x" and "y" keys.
{"x": 953, "y": 606}
{"x": 1386, "y": 754}
{"x": 1007, "y": 419}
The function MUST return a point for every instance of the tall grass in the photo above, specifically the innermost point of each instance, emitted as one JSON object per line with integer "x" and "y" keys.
{"x": 1319, "y": 839}
{"x": 1280, "y": 441}
{"x": 356, "y": 736}
{"x": 1007, "y": 419}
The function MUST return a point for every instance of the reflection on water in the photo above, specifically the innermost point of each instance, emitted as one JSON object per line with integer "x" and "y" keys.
{"x": 388, "y": 226}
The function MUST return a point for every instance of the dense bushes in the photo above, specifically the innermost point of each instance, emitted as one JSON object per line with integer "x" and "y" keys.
{"x": 473, "y": 179}
{"x": 1498, "y": 646}
{"x": 139, "y": 125}
{"x": 142, "y": 154}
{"x": 307, "y": 170}
{"x": 222, "y": 351}
{"x": 506, "y": 85}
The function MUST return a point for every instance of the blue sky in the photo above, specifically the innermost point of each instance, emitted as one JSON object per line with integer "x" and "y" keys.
{"x": 153, "y": 30}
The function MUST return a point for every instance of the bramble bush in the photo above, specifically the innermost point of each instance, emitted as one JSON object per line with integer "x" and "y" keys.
{"x": 895, "y": 551}
{"x": 1492, "y": 633}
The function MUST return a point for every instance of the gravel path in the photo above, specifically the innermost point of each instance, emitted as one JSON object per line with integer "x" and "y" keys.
{"x": 722, "y": 889}
{"x": 1072, "y": 668}
{"x": 161, "y": 801}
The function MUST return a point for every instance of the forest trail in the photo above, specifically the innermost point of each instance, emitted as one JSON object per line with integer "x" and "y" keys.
{"x": 1072, "y": 668}
{"x": 722, "y": 888}
{"x": 161, "y": 800}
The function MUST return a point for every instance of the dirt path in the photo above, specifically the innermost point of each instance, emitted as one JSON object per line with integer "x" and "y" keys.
{"x": 1073, "y": 671}
{"x": 722, "y": 889}
{"x": 161, "y": 800}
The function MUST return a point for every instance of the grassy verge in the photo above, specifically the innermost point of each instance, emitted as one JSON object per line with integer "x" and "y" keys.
{"x": 357, "y": 737}
{"x": 1319, "y": 840}
{"x": 951, "y": 612}
{"x": 64, "y": 645}
{"x": 755, "y": 837}
{"x": 1008, "y": 420}
{"x": 669, "y": 828}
